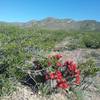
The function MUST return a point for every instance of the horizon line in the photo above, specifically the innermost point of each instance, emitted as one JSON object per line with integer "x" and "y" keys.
{"x": 39, "y": 19}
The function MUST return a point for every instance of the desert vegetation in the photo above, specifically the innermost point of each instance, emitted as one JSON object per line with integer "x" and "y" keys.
{"x": 18, "y": 45}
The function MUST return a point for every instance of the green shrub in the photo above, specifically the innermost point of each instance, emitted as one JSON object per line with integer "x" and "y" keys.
{"x": 88, "y": 68}
{"x": 92, "y": 40}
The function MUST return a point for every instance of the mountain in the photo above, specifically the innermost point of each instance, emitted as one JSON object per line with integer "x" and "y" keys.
{"x": 63, "y": 24}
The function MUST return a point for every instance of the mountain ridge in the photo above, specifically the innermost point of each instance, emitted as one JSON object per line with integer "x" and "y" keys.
{"x": 56, "y": 24}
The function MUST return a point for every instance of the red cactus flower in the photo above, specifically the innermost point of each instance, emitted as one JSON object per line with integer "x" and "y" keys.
{"x": 68, "y": 62}
{"x": 58, "y": 75}
{"x": 52, "y": 75}
{"x": 58, "y": 56}
{"x": 77, "y": 81}
{"x": 72, "y": 67}
{"x": 65, "y": 63}
{"x": 77, "y": 71}
{"x": 59, "y": 64}
{"x": 63, "y": 85}
{"x": 70, "y": 71}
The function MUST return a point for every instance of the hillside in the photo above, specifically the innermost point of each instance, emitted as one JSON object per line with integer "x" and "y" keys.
{"x": 61, "y": 24}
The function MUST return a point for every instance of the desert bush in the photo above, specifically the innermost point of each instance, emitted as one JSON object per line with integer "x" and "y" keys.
{"x": 49, "y": 75}
{"x": 88, "y": 68}
{"x": 92, "y": 40}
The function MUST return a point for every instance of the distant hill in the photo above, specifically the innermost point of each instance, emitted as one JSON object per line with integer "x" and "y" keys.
{"x": 63, "y": 24}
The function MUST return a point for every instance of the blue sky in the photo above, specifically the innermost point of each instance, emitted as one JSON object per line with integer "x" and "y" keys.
{"x": 25, "y": 10}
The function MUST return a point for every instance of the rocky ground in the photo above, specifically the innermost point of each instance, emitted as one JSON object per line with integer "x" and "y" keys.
{"x": 25, "y": 93}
